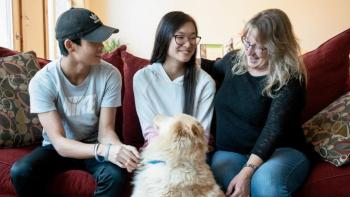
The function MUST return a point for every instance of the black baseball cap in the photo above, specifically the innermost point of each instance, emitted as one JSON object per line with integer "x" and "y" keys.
{"x": 82, "y": 23}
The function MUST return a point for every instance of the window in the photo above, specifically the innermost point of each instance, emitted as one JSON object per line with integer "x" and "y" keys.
{"x": 6, "y": 24}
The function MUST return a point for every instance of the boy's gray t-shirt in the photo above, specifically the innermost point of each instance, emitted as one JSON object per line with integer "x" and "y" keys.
{"x": 78, "y": 106}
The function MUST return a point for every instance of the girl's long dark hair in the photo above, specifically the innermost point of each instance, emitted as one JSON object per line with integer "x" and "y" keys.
{"x": 167, "y": 27}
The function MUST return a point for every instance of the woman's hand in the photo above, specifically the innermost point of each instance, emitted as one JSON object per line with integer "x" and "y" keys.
{"x": 240, "y": 184}
{"x": 124, "y": 156}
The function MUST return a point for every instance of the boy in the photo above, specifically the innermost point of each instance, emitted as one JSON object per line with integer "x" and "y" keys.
{"x": 76, "y": 98}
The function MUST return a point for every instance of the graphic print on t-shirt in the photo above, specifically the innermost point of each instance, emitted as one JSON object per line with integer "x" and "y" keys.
{"x": 79, "y": 105}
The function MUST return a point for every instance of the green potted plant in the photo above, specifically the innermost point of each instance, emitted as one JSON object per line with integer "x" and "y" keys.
{"x": 110, "y": 45}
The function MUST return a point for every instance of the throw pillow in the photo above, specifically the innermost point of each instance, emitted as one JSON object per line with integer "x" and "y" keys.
{"x": 115, "y": 57}
{"x": 328, "y": 70}
{"x": 131, "y": 127}
{"x": 116, "y": 60}
{"x": 328, "y": 131}
{"x": 18, "y": 127}
{"x": 4, "y": 52}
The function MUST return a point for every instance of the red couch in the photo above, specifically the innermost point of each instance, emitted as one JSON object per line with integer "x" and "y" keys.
{"x": 328, "y": 74}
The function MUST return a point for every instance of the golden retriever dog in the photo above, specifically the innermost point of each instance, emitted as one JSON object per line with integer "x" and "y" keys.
{"x": 173, "y": 164}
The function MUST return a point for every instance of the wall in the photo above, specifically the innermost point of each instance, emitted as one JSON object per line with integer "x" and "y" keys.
{"x": 314, "y": 21}
{"x": 99, "y": 7}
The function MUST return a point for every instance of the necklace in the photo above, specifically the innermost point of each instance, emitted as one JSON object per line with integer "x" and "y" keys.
{"x": 69, "y": 98}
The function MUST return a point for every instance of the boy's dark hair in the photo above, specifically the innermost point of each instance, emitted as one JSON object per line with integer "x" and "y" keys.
{"x": 167, "y": 27}
{"x": 63, "y": 49}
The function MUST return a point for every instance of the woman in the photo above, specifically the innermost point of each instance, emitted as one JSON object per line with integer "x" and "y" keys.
{"x": 172, "y": 83}
{"x": 260, "y": 143}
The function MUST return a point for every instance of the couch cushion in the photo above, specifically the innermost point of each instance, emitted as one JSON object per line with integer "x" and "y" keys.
{"x": 115, "y": 57}
{"x": 131, "y": 126}
{"x": 328, "y": 71}
{"x": 72, "y": 183}
{"x": 328, "y": 131}
{"x": 18, "y": 126}
{"x": 7, "y": 158}
{"x": 42, "y": 61}
{"x": 326, "y": 180}
{"x": 116, "y": 60}
{"x": 80, "y": 184}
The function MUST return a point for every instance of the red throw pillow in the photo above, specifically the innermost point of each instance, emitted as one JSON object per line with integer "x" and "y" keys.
{"x": 328, "y": 71}
{"x": 115, "y": 58}
{"x": 131, "y": 127}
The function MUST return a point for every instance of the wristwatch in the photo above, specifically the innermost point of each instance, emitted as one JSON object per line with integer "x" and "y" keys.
{"x": 250, "y": 165}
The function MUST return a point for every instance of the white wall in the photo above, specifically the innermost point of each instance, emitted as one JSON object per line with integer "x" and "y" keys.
{"x": 314, "y": 21}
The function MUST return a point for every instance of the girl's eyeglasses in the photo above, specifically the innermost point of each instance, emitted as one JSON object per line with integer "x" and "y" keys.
{"x": 181, "y": 39}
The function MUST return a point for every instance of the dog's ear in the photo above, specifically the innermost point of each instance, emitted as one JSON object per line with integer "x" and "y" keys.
{"x": 188, "y": 130}
{"x": 198, "y": 134}
{"x": 197, "y": 130}
{"x": 182, "y": 138}
{"x": 179, "y": 130}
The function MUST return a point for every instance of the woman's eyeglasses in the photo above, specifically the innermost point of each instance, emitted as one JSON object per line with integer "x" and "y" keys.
{"x": 181, "y": 39}
{"x": 259, "y": 50}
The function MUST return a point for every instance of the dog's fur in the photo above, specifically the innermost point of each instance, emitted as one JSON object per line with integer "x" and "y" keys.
{"x": 181, "y": 147}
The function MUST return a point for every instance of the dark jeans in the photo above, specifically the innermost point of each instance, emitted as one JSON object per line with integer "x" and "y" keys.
{"x": 31, "y": 174}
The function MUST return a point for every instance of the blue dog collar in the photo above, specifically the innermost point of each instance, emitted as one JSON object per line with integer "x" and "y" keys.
{"x": 155, "y": 162}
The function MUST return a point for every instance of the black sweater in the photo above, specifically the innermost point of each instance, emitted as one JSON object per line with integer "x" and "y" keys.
{"x": 248, "y": 122}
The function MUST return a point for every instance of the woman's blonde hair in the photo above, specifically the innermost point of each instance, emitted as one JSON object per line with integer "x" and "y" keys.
{"x": 274, "y": 31}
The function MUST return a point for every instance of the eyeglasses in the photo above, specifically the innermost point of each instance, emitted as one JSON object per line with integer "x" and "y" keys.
{"x": 259, "y": 50}
{"x": 181, "y": 39}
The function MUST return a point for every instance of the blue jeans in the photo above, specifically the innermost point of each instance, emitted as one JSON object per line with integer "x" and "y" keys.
{"x": 31, "y": 174}
{"x": 280, "y": 175}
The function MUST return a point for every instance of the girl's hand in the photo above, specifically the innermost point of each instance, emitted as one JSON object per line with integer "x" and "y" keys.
{"x": 124, "y": 156}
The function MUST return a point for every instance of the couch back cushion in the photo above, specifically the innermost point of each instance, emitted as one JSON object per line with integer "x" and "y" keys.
{"x": 115, "y": 59}
{"x": 4, "y": 52}
{"x": 131, "y": 127}
{"x": 328, "y": 72}
{"x": 18, "y": 127}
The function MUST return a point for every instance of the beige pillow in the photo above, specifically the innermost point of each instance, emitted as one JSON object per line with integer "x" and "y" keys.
{"x": 328, "y": 131}
{"x": 18, "y": 127}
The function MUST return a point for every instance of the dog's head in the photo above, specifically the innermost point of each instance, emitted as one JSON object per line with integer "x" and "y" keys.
{"x": 181, "y": 134}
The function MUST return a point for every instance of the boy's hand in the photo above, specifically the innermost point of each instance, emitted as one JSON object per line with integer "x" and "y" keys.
{"x": 124, "y": 156}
